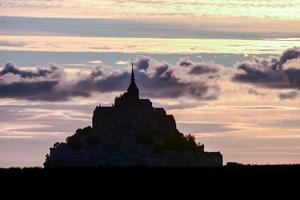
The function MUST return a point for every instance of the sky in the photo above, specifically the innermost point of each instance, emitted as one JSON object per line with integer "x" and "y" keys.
{"x": 229, "y": 71}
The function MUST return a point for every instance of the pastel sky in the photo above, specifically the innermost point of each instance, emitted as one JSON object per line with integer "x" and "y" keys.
{"x": 229, "y": 71}
{"x": 115, "y": 8}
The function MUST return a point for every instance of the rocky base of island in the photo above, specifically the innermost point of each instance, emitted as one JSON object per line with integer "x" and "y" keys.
{"x": 87, "y": 148}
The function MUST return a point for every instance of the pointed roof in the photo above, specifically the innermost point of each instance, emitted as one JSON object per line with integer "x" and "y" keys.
{"x": 132, "y": 73}
{"x": 133, "y": 89}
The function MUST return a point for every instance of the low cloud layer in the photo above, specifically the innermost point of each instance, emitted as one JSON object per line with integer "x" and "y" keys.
{"x": 288, "y": 95}
{"x": 11, "y": 44}
{"x": 160, "y": 80}
{"x": 271, "y": 72}
{"x": 11, "y": 68}
{"x": 155, "y": 79}
{"x": 255, "y": 92}
{"x": 40, "y": 84}
{"x": 198, "y": 68}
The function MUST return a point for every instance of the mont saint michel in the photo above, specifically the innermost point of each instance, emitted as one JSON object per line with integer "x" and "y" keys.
{"x": 131, "y": 133}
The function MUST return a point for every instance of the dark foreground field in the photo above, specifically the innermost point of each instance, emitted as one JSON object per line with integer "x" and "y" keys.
{"x": 187, "y": 180}
{"x": 234, "y": 171}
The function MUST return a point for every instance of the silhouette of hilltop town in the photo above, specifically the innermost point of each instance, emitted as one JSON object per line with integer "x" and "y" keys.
{"x": 130, "y": 133}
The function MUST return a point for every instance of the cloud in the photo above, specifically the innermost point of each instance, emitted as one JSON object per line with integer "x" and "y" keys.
{"x": 99, "y": 81}
{"x": 203, "y": 69}
{"x": 40, "y": 84}
{"x": 154, "y": 78}
{"x": 11, "y": 68}
{"x": 289, "y": 95}
{"x": 143, "y": 63}
{"x": 121, "y": 62}
{"x": 198, "y": 68}
{"x": 52, "y": 83}
{"x": 255, "y": 92}
{"x": 288, "y": 55}
{"x": 12, "y": 44}
{"x": 196, "y": 128}
{"x": 95, "y": 62}
{"x": 29, "y": 90}
{"x": 158, "y": 79}
{"x": 272, "y": 71}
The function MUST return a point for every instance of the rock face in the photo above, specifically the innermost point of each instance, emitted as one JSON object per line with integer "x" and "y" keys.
{"x": 131, "y": 133}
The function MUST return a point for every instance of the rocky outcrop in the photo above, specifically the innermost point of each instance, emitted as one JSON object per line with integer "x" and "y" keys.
{"x": 131, "y": 133}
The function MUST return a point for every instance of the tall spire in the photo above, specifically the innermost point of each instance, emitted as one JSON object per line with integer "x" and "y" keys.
{"x": 133, "y": 89}
{"x": 132, "y": 73}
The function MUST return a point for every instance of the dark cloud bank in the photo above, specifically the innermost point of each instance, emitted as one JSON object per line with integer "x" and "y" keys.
{"x": 155, "y": 79}
{"x": 273, "y": 72}
{"x": 288, "y": 95}
{"x": 200, "y": 68}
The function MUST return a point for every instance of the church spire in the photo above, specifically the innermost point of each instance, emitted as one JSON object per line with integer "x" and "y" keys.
{"x": 132, "y": 73}
{"x": 133, "y": 89}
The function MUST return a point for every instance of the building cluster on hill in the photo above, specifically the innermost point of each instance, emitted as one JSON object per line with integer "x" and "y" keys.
{"x": 131, "y": 133}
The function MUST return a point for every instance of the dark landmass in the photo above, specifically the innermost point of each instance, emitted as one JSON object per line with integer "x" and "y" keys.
{"x": 152, "y": 181}
{"x": 131, "y": 133}
{"x": 231, "y": 171}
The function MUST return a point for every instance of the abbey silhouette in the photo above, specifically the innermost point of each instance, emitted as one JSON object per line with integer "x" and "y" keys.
{"x": 130, "y": 133}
